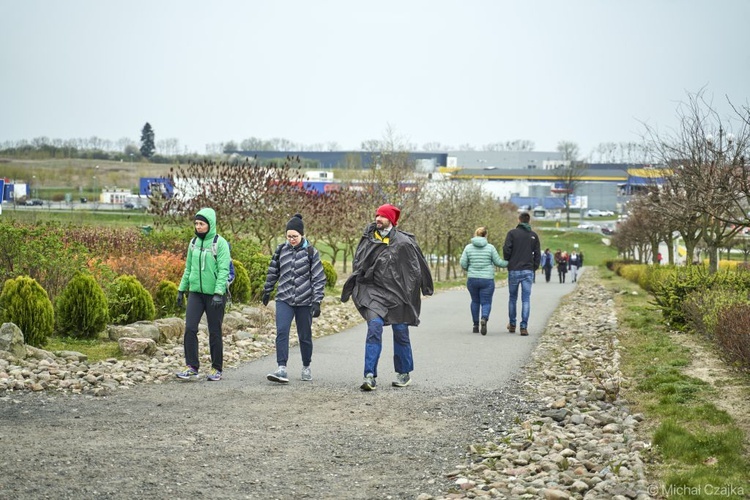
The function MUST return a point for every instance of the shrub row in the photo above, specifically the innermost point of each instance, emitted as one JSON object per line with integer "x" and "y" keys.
{"x": 715, "y": 306}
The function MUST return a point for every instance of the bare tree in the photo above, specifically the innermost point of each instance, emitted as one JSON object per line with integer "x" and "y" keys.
{"x": 569, "y": 173}
{"x": 706, "y": 185}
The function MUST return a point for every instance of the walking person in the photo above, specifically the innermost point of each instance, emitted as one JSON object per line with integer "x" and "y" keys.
{"x": 479, "y": 259}
{"x": 298, "y": 271}
{"x": 388, "y": 274}
{"x": 205, "y": 278}
{"x": 575, "y": 262}
{"x": 547, "y": 263}
{"x": 561, "y": 261}
{"x": 521, "y": 250}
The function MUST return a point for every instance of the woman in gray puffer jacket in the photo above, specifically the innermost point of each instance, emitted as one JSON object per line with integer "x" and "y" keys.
{"x": 479, "y": 259}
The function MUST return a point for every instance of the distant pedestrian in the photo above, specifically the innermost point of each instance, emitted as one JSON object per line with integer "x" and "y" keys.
{"x": 388, "y": 274}
{"x": 575, "y": 262}
{"x": 479, "y": 259}
{"x": 547, "y": 262}
{"x": 522, "y": 251}
{"x": 297, "y": 269}
{"x": 658, "y": 258}
{"x": 205, "y": 280}
{"x": 561, "y": 259}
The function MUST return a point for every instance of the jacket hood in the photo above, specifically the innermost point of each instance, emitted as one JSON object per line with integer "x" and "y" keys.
{"x": 210, "y": 215}
{"x": 524, "y": 225}
{"x": 479, "y": 241}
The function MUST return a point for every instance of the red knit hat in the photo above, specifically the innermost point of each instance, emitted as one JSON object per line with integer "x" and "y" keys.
{"x": 389, "y": 212}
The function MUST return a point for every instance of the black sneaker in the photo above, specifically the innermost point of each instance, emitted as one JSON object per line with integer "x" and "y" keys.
{"x": 483, "y": 326}
{"x": 475, "y": 329}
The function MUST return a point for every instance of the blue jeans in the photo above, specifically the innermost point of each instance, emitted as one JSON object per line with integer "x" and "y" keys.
{"x": 303, "y": 319}
{"x": 481, "y": 291}
{"x": 403, "y": 361}
{"x": 524, "y": 279}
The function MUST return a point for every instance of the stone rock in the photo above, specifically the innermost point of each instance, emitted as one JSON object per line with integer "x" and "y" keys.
{"x": 11, "y": 340}
{"x": 170, "y": 329}
{"x": 136, "y": 346}
{"x": 40, "y": 354}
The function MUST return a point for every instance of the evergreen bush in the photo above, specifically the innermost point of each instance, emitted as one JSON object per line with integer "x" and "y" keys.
{"x": 81, "y": 309}
{"x": 331, "y": 274}
{"x": 25, "y": 303}
{"x": 257, "y": 271}
{"x": 240, "y": 287}
{"x": 129, "y": 301}
{"x": 165, "y": 299}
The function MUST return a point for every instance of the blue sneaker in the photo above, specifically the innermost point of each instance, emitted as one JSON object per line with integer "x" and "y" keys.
{"x": 188, "y": 373}
{"x": 214, "y": 376}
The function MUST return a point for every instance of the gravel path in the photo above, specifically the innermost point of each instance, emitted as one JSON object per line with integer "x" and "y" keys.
{"x": 245, "y": 439}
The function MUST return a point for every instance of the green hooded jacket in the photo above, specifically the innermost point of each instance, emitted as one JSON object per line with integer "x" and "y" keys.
{"x": 204, "y": 273}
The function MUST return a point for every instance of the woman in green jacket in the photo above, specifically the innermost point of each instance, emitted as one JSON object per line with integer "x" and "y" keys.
{"x": 205, "y": 277}
{"x": 479, "y": 259}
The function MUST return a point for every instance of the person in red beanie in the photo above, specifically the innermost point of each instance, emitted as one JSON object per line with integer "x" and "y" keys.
{"x": 388, "y": 274}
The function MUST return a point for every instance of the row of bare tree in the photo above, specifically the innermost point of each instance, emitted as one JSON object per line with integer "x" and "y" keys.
{"x": 255, "y": 201}
{"x": 705, "y": 196}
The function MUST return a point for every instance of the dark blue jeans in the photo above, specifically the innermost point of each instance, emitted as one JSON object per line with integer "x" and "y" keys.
{"x": 403, "y": 361}
{"x": 303, "y": 319}
{"x": 481, "y": 291}
{"x": 524, "y": 280}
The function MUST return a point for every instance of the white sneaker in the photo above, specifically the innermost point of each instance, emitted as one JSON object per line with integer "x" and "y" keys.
{"x": 402, "y": 380}
{"x": 306, "y": 374}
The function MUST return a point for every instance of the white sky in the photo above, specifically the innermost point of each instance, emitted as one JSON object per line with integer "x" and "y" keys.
{"x": 316, "y": 71}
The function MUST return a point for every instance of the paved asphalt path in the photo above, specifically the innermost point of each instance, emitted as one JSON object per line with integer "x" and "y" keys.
{"x": 446, "y": 352}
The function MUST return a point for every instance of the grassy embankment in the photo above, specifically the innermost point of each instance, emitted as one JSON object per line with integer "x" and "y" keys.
{"x": 698, "y": 448}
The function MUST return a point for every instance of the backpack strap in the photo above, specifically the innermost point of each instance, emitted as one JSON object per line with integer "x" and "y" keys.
{"x": 310, "y": 252}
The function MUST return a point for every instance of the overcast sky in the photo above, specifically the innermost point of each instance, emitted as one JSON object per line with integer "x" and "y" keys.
{"x": 319, "y": 71}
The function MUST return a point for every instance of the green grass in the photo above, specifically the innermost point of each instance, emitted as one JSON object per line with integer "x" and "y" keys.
{"x": 97, "y": 349}
{"x": 595, "y": 252}
{"x": 699, "y": 447}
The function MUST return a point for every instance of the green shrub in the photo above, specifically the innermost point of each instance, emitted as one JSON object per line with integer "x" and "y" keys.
{"x": 240, "y": 287}
{"x": 81, "y": 310}
{"x": 129, "y": 301}
{"x": 41, "y": 251}
{"x": 165, "y": 299}
{"x": 257, "y": 271}
{"x": 331, "y": 274}
{"x": 25, "y": 303}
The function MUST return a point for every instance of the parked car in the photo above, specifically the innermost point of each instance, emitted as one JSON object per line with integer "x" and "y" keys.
{"x": 128, "y": 205}
{"x": 599, "y": 213}
{"x": 34, "y": 202}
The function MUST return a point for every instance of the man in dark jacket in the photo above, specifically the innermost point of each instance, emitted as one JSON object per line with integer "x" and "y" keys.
{"x": 388, "y": 274}
{"x": 521, "y": 250}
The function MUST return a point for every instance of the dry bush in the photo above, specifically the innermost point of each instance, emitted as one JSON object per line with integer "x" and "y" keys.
{"x": 733, "y": 333}
{"x": 150, "y": 270}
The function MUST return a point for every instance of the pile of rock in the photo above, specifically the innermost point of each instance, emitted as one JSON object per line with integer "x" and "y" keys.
{"x": 582, "y": 441}
{"x": 152, "y": 351}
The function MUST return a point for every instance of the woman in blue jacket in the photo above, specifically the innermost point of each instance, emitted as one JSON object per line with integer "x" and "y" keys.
{"x": 479, "y": 259}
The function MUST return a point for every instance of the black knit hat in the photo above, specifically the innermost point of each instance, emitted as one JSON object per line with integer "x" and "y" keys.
{"x": 295, "y": 224}
{"x": 201, "y": 217}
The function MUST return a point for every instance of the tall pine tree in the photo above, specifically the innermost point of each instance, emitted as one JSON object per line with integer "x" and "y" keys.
{"x": 147, "y": 141}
